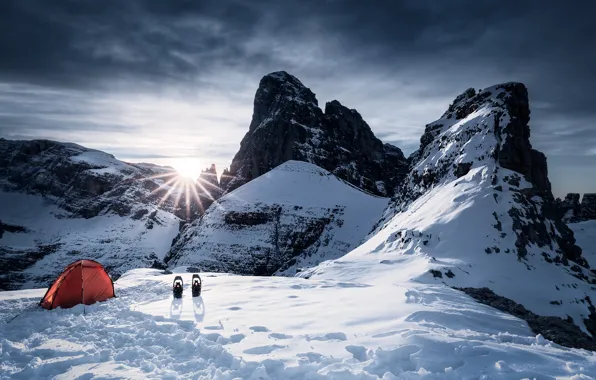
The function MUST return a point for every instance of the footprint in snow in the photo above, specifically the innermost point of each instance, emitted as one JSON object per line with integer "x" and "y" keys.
{"x": 259, "y": 328}
{"x": 330, "y": 336}
{"x": 359, "y": 352}
{"x": 312, "y": 357}
{"x": 279, "y": 336}
{"x": 234, "y": 308}
{"x": 220, "y": 339}
{"x": 220, "y": 327}
{"x": 262, "y": 350}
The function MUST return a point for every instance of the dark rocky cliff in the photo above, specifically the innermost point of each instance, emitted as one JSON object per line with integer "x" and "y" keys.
{"x": 287, "y": 124}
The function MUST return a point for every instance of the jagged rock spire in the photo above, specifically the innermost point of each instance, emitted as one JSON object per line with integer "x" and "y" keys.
{"x": 288, "y": 124}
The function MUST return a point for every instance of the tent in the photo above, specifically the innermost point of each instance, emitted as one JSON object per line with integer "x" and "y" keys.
{"x": 84, "y": 281}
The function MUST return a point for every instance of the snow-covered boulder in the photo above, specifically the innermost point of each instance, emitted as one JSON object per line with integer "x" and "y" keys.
{"x": 293, "y": 216}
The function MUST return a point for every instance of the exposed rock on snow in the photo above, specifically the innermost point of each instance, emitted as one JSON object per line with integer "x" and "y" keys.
{"x": 573, "y": 211}
{"x": 60, "y": 201}
{"x": 83, "y": 182}
{"x": 588, "y": 206}
{"x": 296, "y": 215}
{"x": 558, "y": 330}
{"x": 209, "y": 189}
{"x": 288, "y": 124}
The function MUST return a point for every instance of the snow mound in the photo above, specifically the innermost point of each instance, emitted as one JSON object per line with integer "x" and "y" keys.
{"x": 296, "y": 215}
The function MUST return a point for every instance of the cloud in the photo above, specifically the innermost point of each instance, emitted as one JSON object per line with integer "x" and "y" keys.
{"x": 154, "y": 78}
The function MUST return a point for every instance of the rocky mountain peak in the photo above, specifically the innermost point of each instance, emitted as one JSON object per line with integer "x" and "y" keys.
{"x": 575, "y": 211}
{"x": 488, "y": 131}
{"x": 288, "y": 124}
{"x": 209, "y": 176}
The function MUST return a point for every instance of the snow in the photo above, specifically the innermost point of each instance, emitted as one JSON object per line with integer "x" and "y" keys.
{"x": 442, "y": 218}
{"x": 585, "y": 235}
{"x": 459, "y": 231}
{"x": 245, "y": 327}
{"x": 102, "y": 160}
{"x": 116, "y": 241}
{"x": 303, "y": 193}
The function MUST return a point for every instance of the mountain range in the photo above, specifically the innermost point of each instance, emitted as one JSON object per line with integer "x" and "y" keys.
{"x": 314, "y": 194}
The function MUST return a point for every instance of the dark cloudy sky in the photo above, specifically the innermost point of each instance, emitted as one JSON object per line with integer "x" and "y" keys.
{"x": 162, "y": 81}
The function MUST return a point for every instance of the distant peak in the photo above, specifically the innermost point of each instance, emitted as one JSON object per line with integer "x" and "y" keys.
{"x": 210, "y": 170}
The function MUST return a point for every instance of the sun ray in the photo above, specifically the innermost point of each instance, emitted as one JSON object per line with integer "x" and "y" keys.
{"x": 163, "y": 186}
{"x": 179, "y": 195}
{"x": 197, "y": 198}
{"x": 159, "y": 176}
{"x": 205, "y": 190}
{"x": 169, "y": 192}
{"x": 187, "y": 194}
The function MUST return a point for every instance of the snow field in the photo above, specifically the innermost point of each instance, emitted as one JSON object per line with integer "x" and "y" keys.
{"x": 277, "y": 328}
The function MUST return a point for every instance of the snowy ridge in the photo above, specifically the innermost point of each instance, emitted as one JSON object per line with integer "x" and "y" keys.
{"x": 41, "y": 243}
{"x": 294, "y": 216}
{"x": 61, "y": 202}
{"x": 464, "y": 220}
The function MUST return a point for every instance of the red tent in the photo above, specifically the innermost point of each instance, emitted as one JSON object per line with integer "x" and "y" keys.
{"x": 84, "y": 281}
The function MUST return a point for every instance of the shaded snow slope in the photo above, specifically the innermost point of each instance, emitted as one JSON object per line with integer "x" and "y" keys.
{"x": 273, "y": 328}
{"x": 476, "y": 211}
{"x": 60, "y": 202}
{"x": 39, "y": 242}
{"x": 585, "y": 234}
{"x": 294, "y": 216}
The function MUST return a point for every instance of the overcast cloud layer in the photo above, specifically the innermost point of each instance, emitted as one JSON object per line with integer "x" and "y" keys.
{"x": 163, "y": 80}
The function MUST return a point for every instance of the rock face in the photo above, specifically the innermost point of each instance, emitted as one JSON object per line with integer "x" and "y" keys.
{"x": 295, "y": 216}
{"x": 559, "y": 330}
{"x": 588, "y": 206}
{"x": 494, "y": 130}
{"x": 476, "y": 211}
{"x": 63, "y": 201}
{"x": 287, "y": 124}
{"x": 573, "y": 211}
{"x": 208, "y": 188}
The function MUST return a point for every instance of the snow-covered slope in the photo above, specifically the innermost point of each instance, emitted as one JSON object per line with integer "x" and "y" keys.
{"x": 60, "y": 202}
{"x": 293, "y": 216}
{"x": 476, "y": 211}
{"x": 270, "y": 328}
{"x": 585, "y": 234}
{"x": 38, "y": 242}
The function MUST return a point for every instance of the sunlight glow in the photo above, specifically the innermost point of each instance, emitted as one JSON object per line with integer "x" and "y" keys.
{"x": 188, "y": 167}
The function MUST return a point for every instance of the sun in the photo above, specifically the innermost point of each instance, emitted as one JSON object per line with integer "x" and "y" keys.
{"x": 187, "y": 167}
